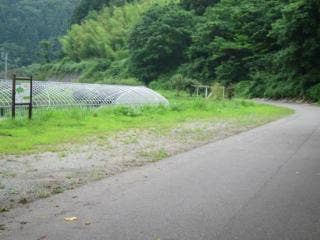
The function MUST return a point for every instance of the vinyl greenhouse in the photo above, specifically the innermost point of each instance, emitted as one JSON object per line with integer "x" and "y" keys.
{"x": 62, "y": 94}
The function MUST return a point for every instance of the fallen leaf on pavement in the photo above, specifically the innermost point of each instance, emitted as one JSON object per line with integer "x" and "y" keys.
{"x": 2, "y": 227}
{"x": 70, "y": 219}
{"x": 42, "y": 238}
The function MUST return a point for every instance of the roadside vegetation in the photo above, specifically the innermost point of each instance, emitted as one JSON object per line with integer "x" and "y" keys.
{"x": 55, "y": 126}
{"x": 261, "y": 48}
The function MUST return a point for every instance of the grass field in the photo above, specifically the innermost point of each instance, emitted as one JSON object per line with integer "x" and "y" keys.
{"x": 50, "y": 128}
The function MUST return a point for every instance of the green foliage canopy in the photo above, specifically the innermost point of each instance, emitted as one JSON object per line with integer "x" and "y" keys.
{"x": 273, "y": 44}
{"x": 104, "y": 35}
{"x": 267, "y": 48}
{"x": 87, "y": 6}
{"x": 199, "y": 6}
{"x": 158, "y": 42}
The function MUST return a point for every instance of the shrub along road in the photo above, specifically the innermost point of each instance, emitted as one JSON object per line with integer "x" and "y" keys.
{"x": 261, "y": 184}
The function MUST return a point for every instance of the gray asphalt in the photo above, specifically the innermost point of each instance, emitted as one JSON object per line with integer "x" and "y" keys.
{"x": 261, "y": 184}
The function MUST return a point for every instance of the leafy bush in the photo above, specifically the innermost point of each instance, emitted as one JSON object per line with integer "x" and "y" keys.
{"x": 182, "y": 83}
{"x": 218, "y": 91}
{"x": 163, "y": 82}
{"x": 314, "y": 93}
{"x": 242, "y": 89}
{"x": 283, "y": 89}
{"x": 161, "y": 85}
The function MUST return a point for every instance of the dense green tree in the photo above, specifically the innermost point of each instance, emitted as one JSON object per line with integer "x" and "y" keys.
{"x": 87, "y": 6}
{"x": 45, "y": 52}
{"x": 106, "y": 34}
{"x": 158, "y": 42}
{"x": 298, "y": 35}
{"x": 220, "y": 50}
{"x": 274, "y": 44}
{"x": 199, "y": 6}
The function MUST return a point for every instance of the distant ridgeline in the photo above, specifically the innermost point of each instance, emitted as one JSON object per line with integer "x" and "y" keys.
{"x": 262, "y": 48}
{"x": 25, "y": 23}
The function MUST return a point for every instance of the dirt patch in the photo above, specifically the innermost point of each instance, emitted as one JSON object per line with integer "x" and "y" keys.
{"x": 29, "y": 177}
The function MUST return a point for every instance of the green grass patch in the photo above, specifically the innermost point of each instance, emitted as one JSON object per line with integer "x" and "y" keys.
{"x": 52, "y": 127}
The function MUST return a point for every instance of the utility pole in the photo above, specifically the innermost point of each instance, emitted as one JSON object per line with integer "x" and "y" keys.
{"x": 6, "y": 65}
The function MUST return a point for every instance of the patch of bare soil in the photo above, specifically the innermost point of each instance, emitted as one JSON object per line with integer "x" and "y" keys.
{"x": 29, "y": 177}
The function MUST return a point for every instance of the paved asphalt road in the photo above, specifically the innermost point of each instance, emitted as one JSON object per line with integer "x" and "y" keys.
{"x": 261, "y": 184}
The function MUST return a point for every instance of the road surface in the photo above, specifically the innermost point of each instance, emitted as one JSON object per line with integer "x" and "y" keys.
{"x": 261, "y": 184}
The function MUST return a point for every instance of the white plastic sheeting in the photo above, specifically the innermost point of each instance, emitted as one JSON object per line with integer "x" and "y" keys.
{"x": 50, "y": 94}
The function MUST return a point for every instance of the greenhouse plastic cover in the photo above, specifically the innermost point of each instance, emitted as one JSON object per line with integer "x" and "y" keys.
{"x": 50, "y": 94}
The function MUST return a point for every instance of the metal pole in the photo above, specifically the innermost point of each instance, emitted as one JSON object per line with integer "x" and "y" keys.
{"x": 13, "y": 105}
{"x": 6, "y": 65}
{"x": 31, "y": 92}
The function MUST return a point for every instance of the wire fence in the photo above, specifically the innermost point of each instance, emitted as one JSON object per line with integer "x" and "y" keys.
{"x": 21, "y": 111}
{"x": 61, "y": 94}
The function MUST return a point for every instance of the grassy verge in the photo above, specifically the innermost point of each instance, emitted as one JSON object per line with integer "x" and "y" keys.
{"x": 50, "y": 128}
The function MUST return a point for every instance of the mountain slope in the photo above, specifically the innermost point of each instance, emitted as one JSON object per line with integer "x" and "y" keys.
{"x": 24, "y": 23}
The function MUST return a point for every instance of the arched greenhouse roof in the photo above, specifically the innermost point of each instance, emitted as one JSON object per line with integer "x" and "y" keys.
{"x": 50, "y": 94}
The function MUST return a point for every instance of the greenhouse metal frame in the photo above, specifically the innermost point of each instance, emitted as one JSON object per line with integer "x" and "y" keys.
{"x": 68, "y": 94}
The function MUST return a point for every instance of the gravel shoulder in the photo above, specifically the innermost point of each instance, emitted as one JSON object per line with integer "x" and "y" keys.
{"x": 24, "y": 178}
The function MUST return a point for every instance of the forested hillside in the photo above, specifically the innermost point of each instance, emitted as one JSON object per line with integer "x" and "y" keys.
{"x": 25, "y": 23}
{"x": 263, "y": 48}
{"x": 88, "y": 6}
